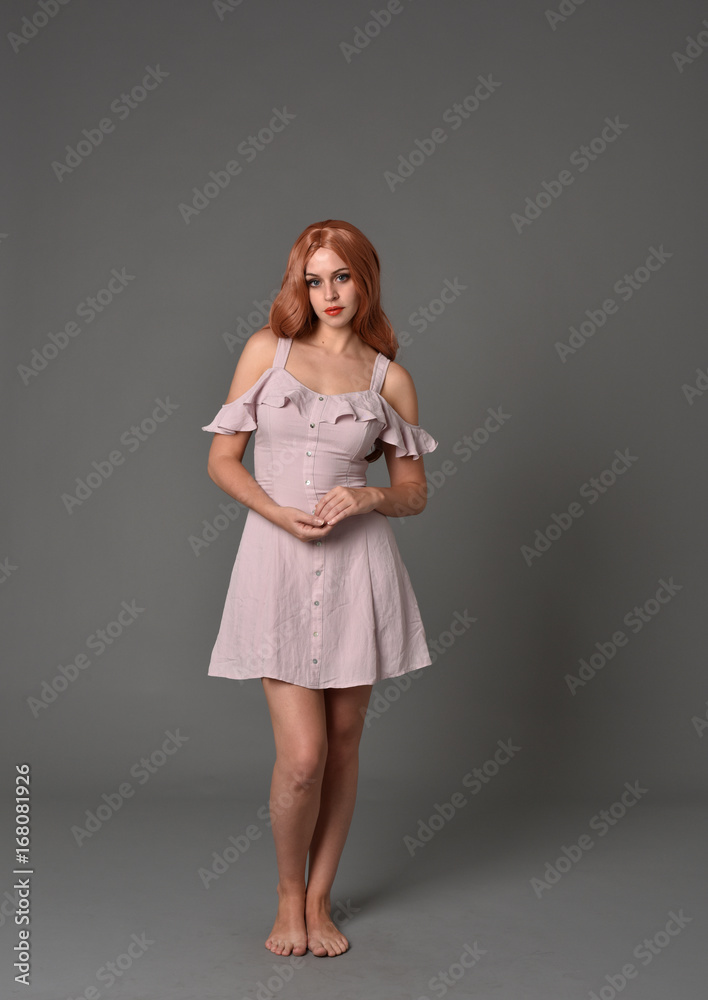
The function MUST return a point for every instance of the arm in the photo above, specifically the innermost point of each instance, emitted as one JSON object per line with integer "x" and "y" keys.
{"x": 224, "y": 465}
{"x": 407, "y": 494}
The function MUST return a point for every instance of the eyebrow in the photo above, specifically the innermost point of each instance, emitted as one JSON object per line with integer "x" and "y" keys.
{"x": 312, "y": 273}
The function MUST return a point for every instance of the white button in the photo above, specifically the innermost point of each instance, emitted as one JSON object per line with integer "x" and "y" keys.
{"x": 312, "y": 425}
{"x": 315, "y": 633}
{"x": 307, "y": 482}
{"x": 317, "y": 602}
{"x": 317, "y": 543}
{"x": 321, "y": 397}
{"x": 314, "y": 661}
{"x": 317, "y": 572}
{"x": 309, "y": 453}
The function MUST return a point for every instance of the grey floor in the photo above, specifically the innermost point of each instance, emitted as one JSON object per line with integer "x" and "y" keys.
{"x": 468, "y": 893}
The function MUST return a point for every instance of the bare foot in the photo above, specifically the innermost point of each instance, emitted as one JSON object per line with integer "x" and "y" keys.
{"x": 289, "y": 934}
{"x": 323, "y": 936}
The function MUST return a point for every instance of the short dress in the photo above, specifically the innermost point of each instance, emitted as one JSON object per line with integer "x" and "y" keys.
{"x": 337, "y": 611}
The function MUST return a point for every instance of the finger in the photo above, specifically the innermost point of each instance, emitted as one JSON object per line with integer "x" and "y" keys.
{"x": 312, "y": 529}
{"x": 332, "y": 497}
{"x": 329, "y": 509}
{"x": 312, "y": 522}
{"x": 337, "y": 513}
{"x": 309, "y": 532}
{"x": 315, "y": 519}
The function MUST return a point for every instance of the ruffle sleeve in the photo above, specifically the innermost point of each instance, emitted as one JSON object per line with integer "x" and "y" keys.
{"x": 275, "y": 388}
{"x": 232, "y": 417}
{"x": 409, "y": 439}
{"x": 241, "y": 414}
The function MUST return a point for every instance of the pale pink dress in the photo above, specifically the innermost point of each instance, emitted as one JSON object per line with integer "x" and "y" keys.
{"x": 335, "y": 612}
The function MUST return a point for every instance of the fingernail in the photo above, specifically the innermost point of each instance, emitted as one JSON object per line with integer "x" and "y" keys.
{"x": 319, "y": 520}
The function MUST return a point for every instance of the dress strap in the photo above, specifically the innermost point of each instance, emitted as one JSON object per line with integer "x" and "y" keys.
{"x": 379, "y": 374}
{"x": 282, "y": 351}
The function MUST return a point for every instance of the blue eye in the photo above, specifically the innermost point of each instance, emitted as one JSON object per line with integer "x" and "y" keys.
{"x": 316, "y": 281}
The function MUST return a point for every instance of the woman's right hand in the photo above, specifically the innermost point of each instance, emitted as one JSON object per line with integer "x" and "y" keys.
{"x": 301, "y": 525}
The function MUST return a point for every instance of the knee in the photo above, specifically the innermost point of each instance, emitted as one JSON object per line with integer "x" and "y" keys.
{"x": 343, "y": 744}
{"x": 304, "y": 767}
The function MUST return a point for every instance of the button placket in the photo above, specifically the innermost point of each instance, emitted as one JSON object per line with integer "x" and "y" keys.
{"x": 317, "y": 564}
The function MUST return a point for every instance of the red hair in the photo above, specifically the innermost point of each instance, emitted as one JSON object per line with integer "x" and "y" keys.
{"x": 292, "y": 315}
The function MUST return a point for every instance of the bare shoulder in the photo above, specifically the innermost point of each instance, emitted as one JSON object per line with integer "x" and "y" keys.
{"x": 256, "y": 358}
{"x": 399, "y": 390}
{"x": 261, "y": 345}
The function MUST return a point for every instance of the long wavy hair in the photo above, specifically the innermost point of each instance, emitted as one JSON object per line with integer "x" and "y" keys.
{"x": 292, "y": 315}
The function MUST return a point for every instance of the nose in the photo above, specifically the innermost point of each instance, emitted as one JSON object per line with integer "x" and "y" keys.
{"x": 331, "y": 293}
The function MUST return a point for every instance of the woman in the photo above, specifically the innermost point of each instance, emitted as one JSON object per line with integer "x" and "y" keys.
{"x": 320, "y": 604}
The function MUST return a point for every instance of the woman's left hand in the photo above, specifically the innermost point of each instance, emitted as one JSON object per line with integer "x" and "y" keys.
{"x": 343, "y": 501}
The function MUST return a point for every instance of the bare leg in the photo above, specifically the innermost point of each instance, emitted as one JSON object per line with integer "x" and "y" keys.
{"x": 299, "y": 728}
{"x": 345, "y": 709}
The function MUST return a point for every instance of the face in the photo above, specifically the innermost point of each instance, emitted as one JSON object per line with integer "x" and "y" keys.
{"x": 331, "y": 287}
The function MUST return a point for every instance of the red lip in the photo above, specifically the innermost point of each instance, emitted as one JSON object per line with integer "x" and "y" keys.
{"x": 334, "y": 311}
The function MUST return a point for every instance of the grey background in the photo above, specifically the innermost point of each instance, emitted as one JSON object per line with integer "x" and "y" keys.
{"x": 195, "y": 285}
